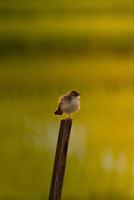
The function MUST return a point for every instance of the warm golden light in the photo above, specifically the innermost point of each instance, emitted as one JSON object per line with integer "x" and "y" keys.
{"x": 46, "y": 49}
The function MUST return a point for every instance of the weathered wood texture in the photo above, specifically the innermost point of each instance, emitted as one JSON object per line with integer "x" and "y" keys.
{"x": 60, "y": 160}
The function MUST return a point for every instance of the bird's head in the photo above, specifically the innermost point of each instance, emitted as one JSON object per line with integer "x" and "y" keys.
{"x": 74, "y": 93}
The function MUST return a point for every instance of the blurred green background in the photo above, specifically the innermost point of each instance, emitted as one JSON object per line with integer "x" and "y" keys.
{"x": 46, "y": 49}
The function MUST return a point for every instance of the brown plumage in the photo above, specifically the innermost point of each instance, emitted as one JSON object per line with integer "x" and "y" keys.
{"x": 58, "y": 111}
{"x": 68, "y": 103}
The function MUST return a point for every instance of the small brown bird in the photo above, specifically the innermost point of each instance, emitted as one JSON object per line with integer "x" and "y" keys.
{"x": 68, "y": 103}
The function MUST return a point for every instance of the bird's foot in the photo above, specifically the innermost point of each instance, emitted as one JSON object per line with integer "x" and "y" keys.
{"x": 70, "y": 118}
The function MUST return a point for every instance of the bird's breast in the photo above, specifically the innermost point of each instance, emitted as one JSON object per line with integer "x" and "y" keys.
{"x": 71, "y": 106}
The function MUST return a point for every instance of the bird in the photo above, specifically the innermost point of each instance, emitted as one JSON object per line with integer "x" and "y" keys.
{"x": 68, "y": 103}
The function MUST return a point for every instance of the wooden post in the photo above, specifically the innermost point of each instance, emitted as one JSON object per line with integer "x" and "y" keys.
{"x": 60, "y": 160}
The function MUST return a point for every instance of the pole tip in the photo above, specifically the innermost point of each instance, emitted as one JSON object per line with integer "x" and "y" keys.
{"x": 67, "y": 120}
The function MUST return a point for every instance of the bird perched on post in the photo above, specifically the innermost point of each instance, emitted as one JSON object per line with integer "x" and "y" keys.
{"x": 68, "y": 103}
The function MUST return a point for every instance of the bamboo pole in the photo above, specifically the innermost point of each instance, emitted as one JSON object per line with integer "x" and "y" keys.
{"x": 60, "y": 160}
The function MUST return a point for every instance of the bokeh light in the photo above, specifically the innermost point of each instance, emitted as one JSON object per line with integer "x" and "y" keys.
{"x": 46, "y": 49}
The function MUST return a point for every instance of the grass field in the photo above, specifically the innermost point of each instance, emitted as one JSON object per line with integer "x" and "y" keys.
{"x": 47, "y": 48}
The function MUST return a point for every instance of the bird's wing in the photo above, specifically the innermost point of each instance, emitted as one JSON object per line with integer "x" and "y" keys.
{"x": 64, "y": 99}
{"x": 61, "y": 100}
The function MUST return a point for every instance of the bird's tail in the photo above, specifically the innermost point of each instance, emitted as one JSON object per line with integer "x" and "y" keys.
{"x": 58, "y": 112}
